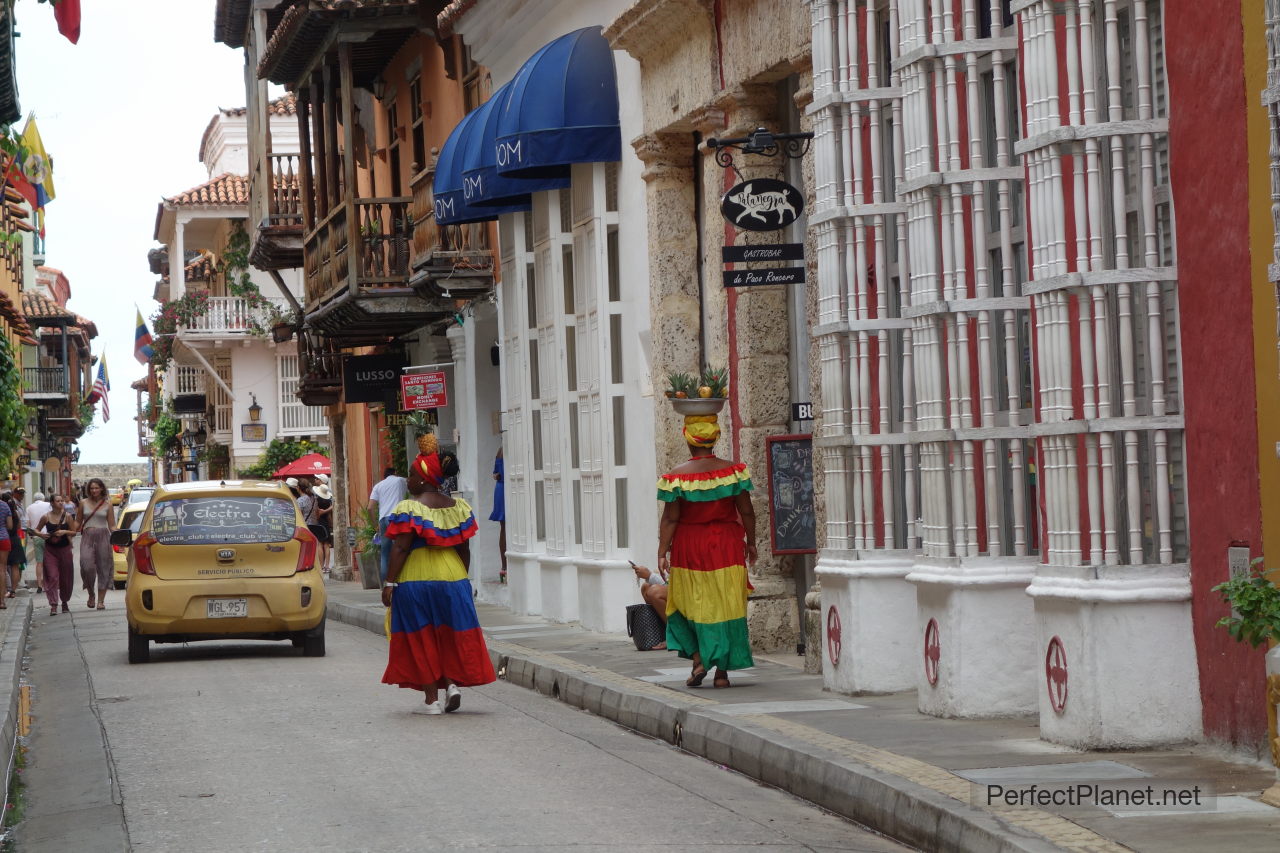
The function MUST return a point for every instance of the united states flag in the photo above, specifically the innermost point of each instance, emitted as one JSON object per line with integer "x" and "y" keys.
{"x": 101, "y": 386}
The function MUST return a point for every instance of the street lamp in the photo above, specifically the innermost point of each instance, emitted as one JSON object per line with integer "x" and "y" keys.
{"x": 188, "y": 438}
{"x": 255, "y": 411}
{"x": 201, "y": 435}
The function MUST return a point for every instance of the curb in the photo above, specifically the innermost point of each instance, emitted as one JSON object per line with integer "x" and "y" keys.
{"x": 11, "y": 653}
{"x": 899, "y": 808}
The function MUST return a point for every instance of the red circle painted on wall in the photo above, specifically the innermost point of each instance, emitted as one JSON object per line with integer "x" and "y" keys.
{"x": 833, "y": 635}
{"x": 932, "y": 652}
{"x": 1055, "y": 675}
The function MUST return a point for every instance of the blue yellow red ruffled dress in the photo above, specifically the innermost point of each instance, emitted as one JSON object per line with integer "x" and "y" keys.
{"x": 434, "y": 630}
{"x": 707, "y": 596}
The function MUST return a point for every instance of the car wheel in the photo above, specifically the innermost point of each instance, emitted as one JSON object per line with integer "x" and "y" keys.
{"x": 298, "y": 640}
{"x": 313, "y": 642}
{"x": 139, "y": 648}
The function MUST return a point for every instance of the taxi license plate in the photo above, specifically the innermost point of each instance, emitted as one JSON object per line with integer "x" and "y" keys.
{"x": 226, "y": 608}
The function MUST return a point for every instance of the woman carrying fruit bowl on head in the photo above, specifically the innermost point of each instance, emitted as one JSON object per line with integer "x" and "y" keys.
{"x": 706, "y": 541}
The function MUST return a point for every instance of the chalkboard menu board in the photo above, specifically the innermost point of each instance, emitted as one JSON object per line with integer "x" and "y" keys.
{"x": 791, "y": 520}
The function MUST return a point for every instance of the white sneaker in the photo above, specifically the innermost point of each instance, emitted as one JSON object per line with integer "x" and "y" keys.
{"x": 430, "y": 709}
{"x": 452, "y": 698}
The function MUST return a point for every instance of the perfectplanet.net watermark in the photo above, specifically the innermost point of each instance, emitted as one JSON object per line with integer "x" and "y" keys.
{"x": 1122, "y": 795}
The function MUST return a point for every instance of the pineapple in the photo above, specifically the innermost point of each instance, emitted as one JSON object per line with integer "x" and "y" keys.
{"x": 716, "y": 379}
{"x": 423, "y": 434}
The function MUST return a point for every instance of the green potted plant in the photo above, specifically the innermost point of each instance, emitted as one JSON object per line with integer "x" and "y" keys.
{"x": 367, "y": 553}
{"x": 1255, "y": 606}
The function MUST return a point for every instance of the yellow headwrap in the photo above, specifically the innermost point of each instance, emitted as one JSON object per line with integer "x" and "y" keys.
{"x": 701, "y": 430}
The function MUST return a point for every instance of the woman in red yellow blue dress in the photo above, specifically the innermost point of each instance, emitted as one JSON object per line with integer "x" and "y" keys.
{"x": 706, "y": 541}
{"x": 436, "y": 640}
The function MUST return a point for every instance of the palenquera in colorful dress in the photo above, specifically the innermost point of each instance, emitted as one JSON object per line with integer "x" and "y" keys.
{"x": 435, "y": 632}
{"x": 707, "y": 601}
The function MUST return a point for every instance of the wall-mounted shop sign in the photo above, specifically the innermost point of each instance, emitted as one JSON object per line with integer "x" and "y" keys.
{"x": 756, "y": 278}
{"x": 771, "y": 252}
{"x": 762, "y": 204}
{"x": 802, "y": 411}
{"x": 253, "y": 432}
{"x": 423, "y": 390}
{"x": 400, "y": 420}
{"x": 368, "y": 378}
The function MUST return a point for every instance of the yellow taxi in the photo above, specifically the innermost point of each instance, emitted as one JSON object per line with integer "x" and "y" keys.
{"x": 222, "y": 560}
{"x": 129, "y": 520}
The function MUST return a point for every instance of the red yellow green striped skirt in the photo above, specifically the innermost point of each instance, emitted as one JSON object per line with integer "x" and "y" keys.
{"x": 707, "y": 597}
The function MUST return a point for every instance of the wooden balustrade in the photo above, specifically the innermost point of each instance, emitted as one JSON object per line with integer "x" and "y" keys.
{"x": 385, "y": 231}
{"x": 45, "y": 380}
{"x": 285, "y": 198}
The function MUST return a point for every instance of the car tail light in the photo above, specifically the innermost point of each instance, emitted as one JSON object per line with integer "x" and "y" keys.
{"x": 306, "y": 549}
{"x": 142, "y": 553}
{"x": 119, "y": 549}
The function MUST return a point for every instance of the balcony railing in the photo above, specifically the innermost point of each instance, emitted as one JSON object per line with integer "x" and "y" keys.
{"x": 381, "y": 231}
{"x": 45, "y": 382}
{"x": 320, "y": 370}
{"x": 233, "y": 316}
{"x": 187, "y": 380}
{"x": 285, "y": 194}
{"x": 460, "y": 247}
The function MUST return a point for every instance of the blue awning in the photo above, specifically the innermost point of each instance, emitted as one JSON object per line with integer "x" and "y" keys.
{"x": 482, "y": 186}
{"x": 562, "y": 108}
{"x": 449, "y": 196}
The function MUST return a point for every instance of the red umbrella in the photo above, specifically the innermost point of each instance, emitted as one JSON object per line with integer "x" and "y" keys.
{"x": 305, "y": 466}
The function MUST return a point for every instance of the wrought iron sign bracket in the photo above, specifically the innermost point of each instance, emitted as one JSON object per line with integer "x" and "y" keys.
{"x": 761, "y": 142}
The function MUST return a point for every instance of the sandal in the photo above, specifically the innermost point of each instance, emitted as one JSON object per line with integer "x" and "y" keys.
{"x": 53, "y": 611}
{"x": 696, "y": 676}
{"x": 91, "y": 602}
{"x": 721, "y": 679}
{"x": 101, "y": 606}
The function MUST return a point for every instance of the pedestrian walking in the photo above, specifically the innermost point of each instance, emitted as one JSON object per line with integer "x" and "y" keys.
{"x": 324, "y": 521}
{"x": 436, "y": 641}
{"x": 387, "y": 492}
{"x": 17, "y": 557}
{"x": 95, "y": 522}
{"x": 499, "y": 513}
{"x": 56, "y": 529}
{"x": 707, "y": 538}
{"x": 7, "y": 537}
{"x": 35, "y": 544}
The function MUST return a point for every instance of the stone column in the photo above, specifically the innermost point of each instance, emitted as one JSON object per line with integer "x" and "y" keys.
{"x": 341, "y": 513}
{"x": 761, "y": 373}
{"x": 673, "y": 275}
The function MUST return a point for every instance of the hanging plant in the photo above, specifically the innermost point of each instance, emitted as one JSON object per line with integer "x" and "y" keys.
{"x": 182, "y": 311}
{"x": 14, "y": 414}
{"x": 166, "y": 435}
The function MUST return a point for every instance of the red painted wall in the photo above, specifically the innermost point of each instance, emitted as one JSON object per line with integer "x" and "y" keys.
{"x": 1207, "y": 97}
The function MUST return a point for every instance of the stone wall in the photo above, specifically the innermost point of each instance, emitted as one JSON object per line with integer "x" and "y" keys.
{"x": 704, "y": 77}
{"x": 115, "y": 475}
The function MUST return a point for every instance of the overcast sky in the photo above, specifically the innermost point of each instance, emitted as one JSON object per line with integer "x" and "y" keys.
{"x": 121, "y": 114}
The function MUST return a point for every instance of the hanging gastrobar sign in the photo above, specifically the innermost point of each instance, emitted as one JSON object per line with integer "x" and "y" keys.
{"x": 762, "y": 204}
{"x": 759, "y": 278}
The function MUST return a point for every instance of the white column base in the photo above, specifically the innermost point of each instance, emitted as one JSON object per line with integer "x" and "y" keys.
{"x": 605, "y": 588}
{"x": 559, "y": 578}
{"x": 875, "y": 614}
{"x": 985, "y": 627}
{"x": 1130, "y": 661}
{"x": 524, "y": 578}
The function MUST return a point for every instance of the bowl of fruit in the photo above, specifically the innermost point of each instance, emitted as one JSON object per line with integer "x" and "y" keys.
{"x": 703, "y": 395}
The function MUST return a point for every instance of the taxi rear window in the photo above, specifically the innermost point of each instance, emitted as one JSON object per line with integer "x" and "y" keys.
{"x": 218, "y": 520}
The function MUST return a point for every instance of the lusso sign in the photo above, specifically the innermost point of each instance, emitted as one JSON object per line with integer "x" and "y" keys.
{"x": 368, "y": 378}
{"x": 762, "y": 204}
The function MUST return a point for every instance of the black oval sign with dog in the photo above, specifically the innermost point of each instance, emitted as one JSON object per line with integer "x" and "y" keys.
{"x": 762, "y": 204}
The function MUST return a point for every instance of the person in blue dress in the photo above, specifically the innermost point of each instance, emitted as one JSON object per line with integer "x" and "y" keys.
{"x": 499, "y": 513}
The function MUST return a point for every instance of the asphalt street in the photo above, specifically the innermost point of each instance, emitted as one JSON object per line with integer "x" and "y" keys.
{"x": 249, "y": 746}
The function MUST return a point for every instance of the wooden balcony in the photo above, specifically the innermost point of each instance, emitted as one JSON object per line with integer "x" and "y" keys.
{"x": 45, "y": 384}
{"x": 278, "y": 243}
{"x": 63, "y": 420}
{"x": 320, "y": 369}
{"x": 448, "y": 260}
{"x": 357, "y": 268}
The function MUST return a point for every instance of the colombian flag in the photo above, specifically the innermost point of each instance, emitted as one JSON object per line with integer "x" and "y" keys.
{"x": 34, "y": 174}
{"x": 142, "y": 349}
